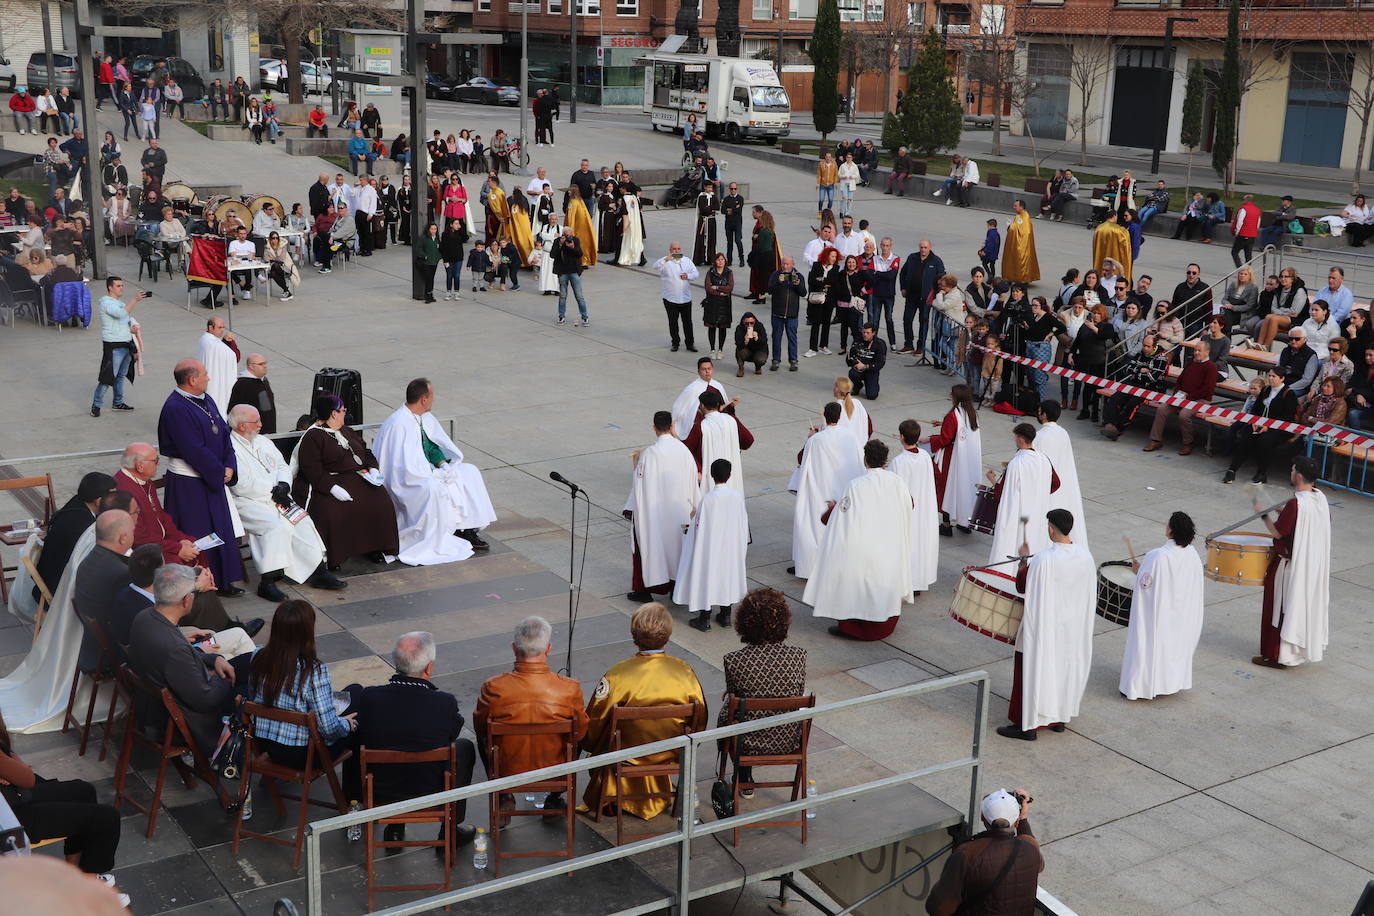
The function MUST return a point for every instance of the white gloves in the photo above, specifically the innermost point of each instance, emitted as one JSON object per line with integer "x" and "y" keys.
{"x": 340, "y": 494}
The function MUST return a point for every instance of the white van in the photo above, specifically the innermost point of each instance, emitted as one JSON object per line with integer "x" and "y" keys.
{"x": 732, "y": 98}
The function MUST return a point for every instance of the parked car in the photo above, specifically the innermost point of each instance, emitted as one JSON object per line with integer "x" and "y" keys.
{"x": 487, "y": 91}
{"x": 8, "y": 79}
{"x": 64, "y": 72}
{"x": 437, "y": 86}
{"x": 179, "y": 68}
{"x": 314, "y": 80}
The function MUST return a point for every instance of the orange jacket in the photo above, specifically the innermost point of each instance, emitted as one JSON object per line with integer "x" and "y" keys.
{"x": 531, "y": 694}
{"x": 827, "y": 172}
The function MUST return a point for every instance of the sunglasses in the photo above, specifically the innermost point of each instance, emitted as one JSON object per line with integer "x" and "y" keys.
{"x": 1334, "y": 349}
{"x": 1192, "y": 273}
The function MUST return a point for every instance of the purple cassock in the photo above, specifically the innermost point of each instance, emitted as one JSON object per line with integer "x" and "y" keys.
{"x": 194, "y": 440}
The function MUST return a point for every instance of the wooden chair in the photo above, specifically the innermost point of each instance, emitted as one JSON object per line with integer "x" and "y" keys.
{"x": 175, "y": 741}
{"x": 565, "y": 784}
{"x": 49, "y": 507}
{"x": 625, "y": 769}
{"x": 441, "y": 815}
{"x": 44, "y": 593}
{"x": 796, "y": 759}
{"x": 106, "y": 661}
{"x": 318, "y": 763}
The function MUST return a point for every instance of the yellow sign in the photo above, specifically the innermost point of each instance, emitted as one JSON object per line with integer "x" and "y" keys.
{"x": 376, "y": 50}
{"x": 315, "y": 36}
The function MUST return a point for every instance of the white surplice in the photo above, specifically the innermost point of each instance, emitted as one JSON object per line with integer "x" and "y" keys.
{"x": 222, "y": 366}
{"x": 632, "y": 235}
{"x": 917, "y": 471}
{"x": 863, "y": 567}
{"x": 1165, "y": 625}
{"x": 1056, "y": 635}
{"x": 857, "y": 422}
{"x": 965, "y": 462}
{"x": 1025, "y": 494}
{"x": 274, "y": 542}
{"x": 720, "y": 439}
{"x": 712, "y": 570}
{"x": 34, "y": 695}
{"x": 687, "y": 403}
{"x": 1302, "y": 588}
{"x": 1052, "y": 440}
{"x": 663, "y": 495}
{"x": 431, "y": 502}
{"x": 830, "y": 460}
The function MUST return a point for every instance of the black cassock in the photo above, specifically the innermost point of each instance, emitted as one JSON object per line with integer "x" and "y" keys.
{"x": 708, "y": 206}
{"x": 608, "y": 220}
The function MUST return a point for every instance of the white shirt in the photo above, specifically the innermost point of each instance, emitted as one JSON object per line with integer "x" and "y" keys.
{"x": 812, "y": 252}
{"x": 671, "y": 285}
{"x": 850, "y": 243}
{"x": 366, "y": 200}
{"x": 536, "y": 185}
{"x": 970, "y": 172}
{"x": 243, "y": 249}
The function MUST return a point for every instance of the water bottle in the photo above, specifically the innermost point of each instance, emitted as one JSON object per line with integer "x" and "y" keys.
{"x": 811, "y": 792}
{"x": 248, "y": 807}
{"x": 355, "y": 833}
{"x": 696, "y": 814}
{"x": 479, "y": 849}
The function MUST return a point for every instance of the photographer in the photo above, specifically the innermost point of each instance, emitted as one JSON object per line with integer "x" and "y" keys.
{"x": 568, "y": 266}
{"x": 996, "y": 871}
{"x": 786, "y": 290}
{"x": 866, "y": 359}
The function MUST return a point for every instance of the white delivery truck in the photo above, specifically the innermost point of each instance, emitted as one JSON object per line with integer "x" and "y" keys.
{"x": 733, "y": 98}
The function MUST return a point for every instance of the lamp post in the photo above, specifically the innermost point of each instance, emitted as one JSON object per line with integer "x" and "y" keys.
{"x": 524, "y": 86}
{"x": 572, "y": 61}
{"x": 1166, "y": 78}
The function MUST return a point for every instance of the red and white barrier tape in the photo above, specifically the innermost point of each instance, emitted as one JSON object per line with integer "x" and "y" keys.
{"x": 1180, "y": 400}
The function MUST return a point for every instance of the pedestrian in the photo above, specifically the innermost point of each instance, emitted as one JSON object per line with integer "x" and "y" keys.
{"x": 451, "y": 247}
{"x": 676, "y": 274}
{"x": 715, "y": 308}
{"x": 992, "y": 246}
{"x": 117, "y": 337}
{"x": 786, "y": 290}
{"x": 427, "y": 256}
{"x": 732, "y": 208}
{"x": 568, "y": 266}
{"x": 827, "y": 174}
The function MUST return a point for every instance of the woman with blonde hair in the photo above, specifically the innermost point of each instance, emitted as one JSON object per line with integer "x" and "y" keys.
{"x": 853, "y": 415}
{"x": 1288, "y": 304}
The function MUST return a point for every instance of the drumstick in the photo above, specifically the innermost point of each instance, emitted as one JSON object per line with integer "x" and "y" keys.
{"x": 1130, "y": 550}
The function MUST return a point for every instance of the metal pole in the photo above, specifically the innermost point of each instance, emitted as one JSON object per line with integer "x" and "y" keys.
{"x": 572, "y": 72}
{"x": 90, "y": 176}
{"x": 980, "y": 727}
{"x": 419, "y": 154}
{"x": 1166, "y": 81}
{"x": 687, "y": 813}
{"x": 524, "y": 87}
{"x": 47, "y": 46}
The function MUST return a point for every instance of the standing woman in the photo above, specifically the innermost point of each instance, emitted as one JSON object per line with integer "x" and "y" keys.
{"x": 822, "y": 285}
{"x": 631, "y": 232}
{"x": 405, "y": 205}
{"x": 460, "y": 152}
{"x": 977, "y": 294}
{"x": 451, "y": 247}
{"x": 1041, "y": 331}
{"x": 849, "y": 302}
{"x": 958, "y": 452}
{"x": 1089, "y": 354}
{"x": 765, "y": 256}
{"x": 128, "y": 107}
{"x": 949, "y": 302}
{"x": 716, "y": 312}
{"x": 427, "y": 255}
{"x": 548, "y": 234}
{"x": 455, "y": 200}
{"x": 435, "y": 200}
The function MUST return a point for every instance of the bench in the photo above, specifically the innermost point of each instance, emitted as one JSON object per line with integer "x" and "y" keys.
{"x": 1254, "y": 357}
{"x": 234, "y": 132}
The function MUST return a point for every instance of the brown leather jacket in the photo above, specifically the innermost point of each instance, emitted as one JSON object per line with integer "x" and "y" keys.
{"x": 529, "y": 695}
{"x": 827, "y": 173}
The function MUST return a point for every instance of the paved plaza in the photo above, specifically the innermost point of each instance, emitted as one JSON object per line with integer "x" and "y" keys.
{"x": 1244, "y": 795}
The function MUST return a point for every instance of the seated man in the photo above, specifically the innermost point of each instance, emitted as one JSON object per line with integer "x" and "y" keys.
{"x": 67, "y": 525}
{"x": 1148, "y": 369}
{"x": 281, "y": 536}
{"x": 531, "y": 694}
{"x": 441, "y": 503}
{"x": 101, "y": 575}
{"x": 408, "y": 713}
{"x": 242, "y": 248}
{"x": 117, "y": 614}
{"x": 650, "y": 677}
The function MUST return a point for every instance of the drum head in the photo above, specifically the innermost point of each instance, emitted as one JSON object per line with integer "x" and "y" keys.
{"x": 1243, "y": 541}
{"x": 1118, "y": 572}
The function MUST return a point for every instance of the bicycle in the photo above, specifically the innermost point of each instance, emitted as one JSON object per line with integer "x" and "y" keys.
{"x": 517, "y": 153}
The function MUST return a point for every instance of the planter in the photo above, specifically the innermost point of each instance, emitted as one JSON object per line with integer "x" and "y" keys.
{"x": 1037, "y": 185}
{"x": 994, "y": 180}
{"x": 918, "y": 167}
{"x": 790, "y": 146}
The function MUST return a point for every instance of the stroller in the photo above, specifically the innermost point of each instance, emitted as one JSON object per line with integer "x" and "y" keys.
{"x": 684, "y": 190}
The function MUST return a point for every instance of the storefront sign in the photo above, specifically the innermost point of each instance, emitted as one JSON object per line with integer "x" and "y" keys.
{"x": 629, "y": 41}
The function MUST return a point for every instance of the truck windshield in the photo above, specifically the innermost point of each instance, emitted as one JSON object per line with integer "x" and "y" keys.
{"x": 769, "y": 98}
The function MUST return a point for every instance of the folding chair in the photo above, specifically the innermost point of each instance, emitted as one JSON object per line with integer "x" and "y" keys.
{"x": 566, "y": 784}
{"x": 441, "y": 815}
{"x": 44, "y": 593}
{"x": 49, "y": 506}
{"x": 628, "y": 769}
{"x": 317, "y": 763}
{"x": 736, "y": 708}
{"x": 106, "y": 661}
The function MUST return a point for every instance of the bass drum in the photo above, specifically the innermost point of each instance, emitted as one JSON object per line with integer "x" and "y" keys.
{"x": 255, "y": 202}
{"x": 213, "y": 202}
{"x": 1115, "y": 588}
{"x": 176, "y": 191}
{"x": 986, "y": 601}
{"x": 229, "y": 205}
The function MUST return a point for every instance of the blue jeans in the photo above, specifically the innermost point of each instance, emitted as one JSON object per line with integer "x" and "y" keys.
{"x": 120, "y": 357}
{"x": 789, "y": 327}
{"x": 1270, "y": 235}
{"x": 69, "y": 122}
{"x": 1146, "y": 214}
{"x": 947, "y": 188}
{"x": 575, "y": 281}
{"x": 846, "y": 201}
{"x": 825, "y": 196}
{"x": 453, "y": 271}
{"x": 1042, "y": 350}
{"x": 946, "y": 342}
{"x": 880, "y": 306}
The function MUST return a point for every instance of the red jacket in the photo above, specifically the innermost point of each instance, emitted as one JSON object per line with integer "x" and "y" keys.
{"x": 22, "y": 102}
{"x": 1198, "y": 380}
{"x": 1246, "y": 223}
{"x": 318, "y": 118}
{"x": 106, "y": 72}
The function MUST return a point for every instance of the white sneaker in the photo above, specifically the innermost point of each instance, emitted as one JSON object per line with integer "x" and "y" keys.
{"x": 939, "y": 191}
{"x": 826, "y": 351}
{"x": 808, "y": 354}
{"x": 448, "y": 297}
{"x": 247, "y": 295}
{"x": 948, "y": 202}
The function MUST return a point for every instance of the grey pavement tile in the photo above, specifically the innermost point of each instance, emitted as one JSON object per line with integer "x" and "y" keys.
{"x": 168, "y": 883}
{"x": 470, "y": 597}
{"x": 334, "y": 647}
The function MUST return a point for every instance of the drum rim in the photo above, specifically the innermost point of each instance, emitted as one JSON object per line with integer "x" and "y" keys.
{"x": 1241, "y": 547}
{"x": 1015, "y": 596}
{"x": 967, "y": 624}
{"x": 1104, "y": 580}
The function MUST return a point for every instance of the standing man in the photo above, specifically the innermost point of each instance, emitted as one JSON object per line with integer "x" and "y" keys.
{"x": 917, "y": 279}
{"x": 1297, "y": 589}
{"x": 253, "y": 388}
{"x": 218, "y": 353}
{"x": 686, "y": 405}
{"x": 732, "y": 208}
{"x": 848, "y": 241}
{"x": 708, "y": 206}
{"x": 154, "y": 160}
{"x": 118, "y": 348}
{"x": 194, "y": 438}
{"x": 1244, "y": 229}
{"x": 1111, "y": 240}
{"x": 1198, "y": 381}
{"x": 319, "y": 196}
{"x": 584, "y": 180}
{"x": 1023, "y": 496}
{"x": 712, "y": 568}
{"x": 717, "y": 435}
{"x": 827, "y": 463}
{"x": 1166, "y": 616}
{"x": 914, "y": 466}
{"x": 1019, "y": 261}
{"x": 663, "y": 496}
{"x": 1054, "y": 647}
{"x": 814, "y": 248}
{"x": 786, "y": 290}
{"x": 364, "y": 212}
{"x": 1052, "y": 440}
{"x": 675, "y": 276}
{"x": 866, "y": 357}
{"x": 863, "y": 568}
{"x": 568, "y": 264}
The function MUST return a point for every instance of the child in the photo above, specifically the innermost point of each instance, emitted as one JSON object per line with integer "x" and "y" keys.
{"x": 149, "y": 114}
{"x": 508, "y": 263}
{"x": 991, "y": 371}
{"x": 479, "y": 264}
{"x": 992, "y": 246}
{"x": 975, "y": 335}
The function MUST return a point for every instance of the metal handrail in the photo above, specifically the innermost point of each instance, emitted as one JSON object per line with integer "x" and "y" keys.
{"x": 1342, "y": 257}
{"x": 687, "y": 746}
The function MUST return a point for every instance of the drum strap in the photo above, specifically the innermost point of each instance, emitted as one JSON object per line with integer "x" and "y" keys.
{"x": 968, "y": 904}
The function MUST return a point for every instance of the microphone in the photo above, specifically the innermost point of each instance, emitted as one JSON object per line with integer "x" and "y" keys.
{"x": 559, "y": 478}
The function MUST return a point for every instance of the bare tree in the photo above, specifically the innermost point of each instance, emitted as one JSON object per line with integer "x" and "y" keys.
{"x": 1350, "y": 61}
{"x": 1090, "y": 60}
{"x": 1023, "y": 94}
{"x": 990, "y": 60}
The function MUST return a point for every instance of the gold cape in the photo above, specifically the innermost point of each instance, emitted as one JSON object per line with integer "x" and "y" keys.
{"x": 1111, "y": 240}
{"x": 497, "y": 209}
{"x": 582, "y": 227}
{"x": 646, "y": 679}
{"x": 519, "y": 231}
{"x": 1019, "y": 263}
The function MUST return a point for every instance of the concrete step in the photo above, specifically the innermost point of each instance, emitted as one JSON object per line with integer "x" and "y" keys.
{"x": 234, "y": 132}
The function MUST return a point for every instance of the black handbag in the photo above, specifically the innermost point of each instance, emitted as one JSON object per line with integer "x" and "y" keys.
{"x": 722, "y": 790}
{"x": 227, "y": 760}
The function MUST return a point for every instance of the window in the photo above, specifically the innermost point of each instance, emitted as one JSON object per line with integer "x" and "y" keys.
{"x": 851, "y": 10}
{"x": 627, "y": 7}
{"x": 589, "y": 7}
{"x": 763, "y": 10}
{"x": 992, "y": 19}
{"x": 555, "y": 7}
{"x": 873, "y": 10}
{"x": 916, "y": 14}
{"x": 484, "y": 6}
{"x": 801, "y": 9}
{"x": 215, "y": 42}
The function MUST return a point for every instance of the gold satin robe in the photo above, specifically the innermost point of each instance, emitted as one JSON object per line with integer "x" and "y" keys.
{"x": 1019, "y": 263}
{"x": 519, "y": 231}
{"x": 498, "y": 216}
{"x": 645, "y": 679}
{"x": 1111, "y": 240}
{"x": 582, "y": 227}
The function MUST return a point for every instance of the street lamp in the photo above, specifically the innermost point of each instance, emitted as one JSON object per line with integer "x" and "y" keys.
{"x": 524, "y": 87}
{"x": 1166, "y": 76}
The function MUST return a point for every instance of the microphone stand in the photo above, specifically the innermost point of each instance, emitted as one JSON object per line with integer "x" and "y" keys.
{"x": 573, "y": 490}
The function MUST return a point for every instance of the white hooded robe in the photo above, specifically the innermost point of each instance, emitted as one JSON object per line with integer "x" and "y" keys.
{"x": 1056, "y": 635}
{"x": 273, "y": 540}
{"x": 1165, "y": 625}
{"x": 830, "y": 460}
{"x": 687, "y": 403}
{"x": 1302, "y": 584}
{"x": 863, "y": 570}
{"x": 720, "y": 439}
{"x": 1025, "y": 494}
{"x": 662, "y": 496}
{"x": 917, "y": 471}
{"x": 222, "y": 365}
{"x": 1052, "y": 440}
{"x": 712, "y": 570}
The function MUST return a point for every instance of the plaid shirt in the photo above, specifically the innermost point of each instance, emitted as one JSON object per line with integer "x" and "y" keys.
{"x": 317, "y": 696}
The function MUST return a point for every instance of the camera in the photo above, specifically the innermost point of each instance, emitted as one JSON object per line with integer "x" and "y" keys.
{"x": 1022, "y": 798}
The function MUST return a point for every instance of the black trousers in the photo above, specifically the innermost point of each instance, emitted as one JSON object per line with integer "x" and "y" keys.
{"x": 364, "y": 223}
{"x": 866, "y": 381}
{"x": 734, "y": 241}
{"x": 1242, "y": 245}
{"x": 466, "y": 759}
{"x": 68, "y": 808}
{"x": 1265, "y": 446}
{"x": 756, "y": 355}
{"x": 323, "y": 253}
{"x": 427, "y": 271}
{"x": 1120, "y": 409}
{"x": 679, "y": 312}
{"x": 277, "y": 274}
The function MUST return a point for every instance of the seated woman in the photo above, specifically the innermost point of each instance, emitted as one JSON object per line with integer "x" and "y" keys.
{"x": 1360, "y": 398}
{"x": 1286, "y": 305}
{"x": 1327, "y": 405}
{"x": 170, "y": 232}
{"x": 765, "y": 667}
{"x": 39, "y": 264}
{"x": 651, "y": 677}
{"x": 50, "y": 808}
{"x": 1359, "y": 221}
{"x": 353, "y": 515}
{"x": 1336, "y": 364}
{"x": 119, "y": 216}
{"x": 281, "y": 267}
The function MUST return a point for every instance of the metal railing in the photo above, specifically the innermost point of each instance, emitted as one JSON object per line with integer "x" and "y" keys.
{"x": 1345, "y": 467}
{"x": 1357, "y": 264}
{"x": 689, "y": 749}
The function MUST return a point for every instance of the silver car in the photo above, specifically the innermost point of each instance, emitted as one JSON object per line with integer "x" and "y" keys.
{"x": 487, "y": 91}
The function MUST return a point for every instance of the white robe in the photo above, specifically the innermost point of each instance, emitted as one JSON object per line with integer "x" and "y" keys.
{"x": 1302, "y": 586}
{"x": 222, "y": 365}
{"x": 917, "y": 471}
{"x": 663, "y": 496}
{"x": 431, "y": 503}
{"x": 34, "y": 695}
{"x": 22, "y": 604}
{"x": 1056, "y": 635}
{"x": 863, "y": 571}
{"x": 965, "y": 471}
{"x": 856, "y": 424}
{"x": 830, "y": 460}
{"x": 1052, "y": 440}
{"x": 687, "y": 404}
{"x": 712, "y": 570}
{"x": 1025, "y": 494}
{"x": 720, "y": 439}
{"x": 1166, "y": 623}
{"x": 632, "y": 237}
{"x": 548, "y": 282}
{"x": 274, "y": 542}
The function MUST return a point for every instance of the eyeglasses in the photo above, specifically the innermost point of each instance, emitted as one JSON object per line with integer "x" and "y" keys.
{"x": 1334, "y": 349}
{"x": 1192, "y": 273}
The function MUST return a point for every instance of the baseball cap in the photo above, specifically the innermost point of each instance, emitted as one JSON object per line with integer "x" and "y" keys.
{"x": 1001, "y": 806}
{"x": 1287, "y": 197}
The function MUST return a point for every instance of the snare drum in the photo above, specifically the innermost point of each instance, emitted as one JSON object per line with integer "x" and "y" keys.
{"x": 1115, "y": 585}
{"x": 1239, "y": 557}
{"x": 985, "y": 600}
{"x": 984, "y": 517}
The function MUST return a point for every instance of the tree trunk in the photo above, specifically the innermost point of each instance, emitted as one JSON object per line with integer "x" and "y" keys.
{"x": 727, "y": 28}
{"x": 1083, "y": 135}
{"x": 291, "y": 31}
{"x": 997, "y": 102}
{"x": 1364, "y": 118}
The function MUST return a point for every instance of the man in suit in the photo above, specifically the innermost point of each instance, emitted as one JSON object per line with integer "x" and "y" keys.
{"x": 102, "y": 574}
{"x": 117, "y": 615}
{"x": 408, "y": 713}
{"x": 66, "y": 525}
